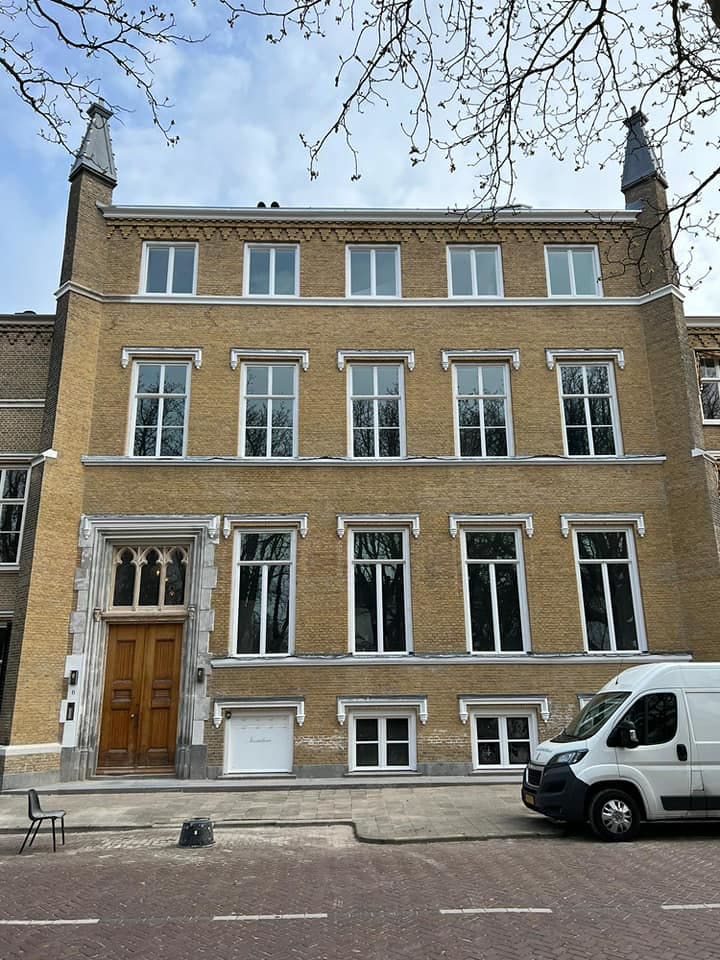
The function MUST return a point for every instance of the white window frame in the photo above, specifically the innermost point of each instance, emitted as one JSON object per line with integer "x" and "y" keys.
{"x": 471, "y": 247}
{"x": 272, "y": 247}
{"x": 372, "y": 247}
{"x": 586, "y": 362}
{"x": 704, "y": 358}
{"x": 382, "y": 715}
{"x": 279, "y": 362}
{"x": 171, "y": 245}
{"x": 508, "y": 407}
{"x": 632, "y": 562}
{"x": 163, "y": 361}
{"x": 379, "y": 527}
{"x": 12, "y": 501}
{"x": 374, "y": 363}
{"x": 244, "y": 529}
{"x": 569, "y": 249}
{"x": 476, "y": 526}
{"x": 502, "y": 715}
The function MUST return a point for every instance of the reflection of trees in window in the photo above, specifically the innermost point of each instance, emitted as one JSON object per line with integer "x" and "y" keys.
{"x": 160, "y": 407}
{"x": 493, "y": 585}
{"x": 587, "y": 409}
{"x": 655, "y": 718}
{"x": 607, "y": 590}
{"x": 481, "y": 397}
{"x": 13, "y": 488}
{"x": 149, "y": 577}
{"x": 375, "y": 396}
{"x": 269, "y": 410}
{"x": 379, "y": 592}
{"x": 502, "y": 741}
{"x": 710, "y": 387}
{"x": 263, "y": 595}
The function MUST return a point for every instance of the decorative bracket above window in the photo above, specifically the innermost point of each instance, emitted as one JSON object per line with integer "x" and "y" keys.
{"x": 490, "y": 519}
{"x": 594, "y": 519}
{"x": 484, "y": 356}
{"x": 407, "y": 356}
{"x": 161, "y": 353}
{"x": 553, "y": 354}
{"x": 222, "y": 707}
{"x": 345, "y": 704}
{"x": 253, "y": 353}
{"x": 378, "y": 520}
{"x": 297, "y": 520}
{"x": 467, "y": 702}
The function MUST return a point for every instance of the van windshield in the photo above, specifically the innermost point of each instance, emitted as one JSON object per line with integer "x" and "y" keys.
{"x": 592, "y": 716}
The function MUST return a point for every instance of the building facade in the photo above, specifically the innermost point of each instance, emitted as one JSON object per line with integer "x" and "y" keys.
{"x": 354, "y": 491}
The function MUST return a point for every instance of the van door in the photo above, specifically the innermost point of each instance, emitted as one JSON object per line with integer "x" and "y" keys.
{"x": 704, "y": 711}
{"x": 661, "y": 764}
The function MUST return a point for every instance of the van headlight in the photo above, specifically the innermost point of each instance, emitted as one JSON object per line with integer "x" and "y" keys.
{"x": 570, "y": 756}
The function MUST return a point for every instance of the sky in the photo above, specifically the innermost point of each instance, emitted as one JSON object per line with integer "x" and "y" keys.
{"x": 240, "y": 105}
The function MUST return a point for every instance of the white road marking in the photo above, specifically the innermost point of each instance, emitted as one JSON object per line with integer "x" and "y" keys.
{"x": 47, "y": 923}
{"x": 498, "y": 910}
{"x": 274, "y": 916}
{"x": 691, "y": 906}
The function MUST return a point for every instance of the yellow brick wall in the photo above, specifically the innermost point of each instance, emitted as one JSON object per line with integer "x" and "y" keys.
{"x": 679, "y": 598}
{"x": 221, "y": 247}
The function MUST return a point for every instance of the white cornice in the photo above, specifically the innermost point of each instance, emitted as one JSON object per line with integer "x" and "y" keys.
{"x": 408, "y": 356}
{"x": 346, "y": 704}
{"x": 257, "y": 703}
{"x": 163, "y": 353}
{"x": 376, "y": 302}
{"x": 254, "y": 353}
{"x": 595, "y": 519}
{"x": 404, "y": 661}
{"x": 17, "y": 402}
{"x": 468, "y": 702}
{"x": 411, "y": 520}
{"x": 553, "y": 354}
{"x": 298, "y": 521}
{"x": 102, "y": 460}
{"x": 512, "y": 354}
{"x": 477, "y": 218}
{"x": 457, "y": 520}
{"x": 10, "y": 457}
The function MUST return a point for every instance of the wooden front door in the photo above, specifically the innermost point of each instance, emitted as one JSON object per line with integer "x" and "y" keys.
{"x": 138, "y": 730}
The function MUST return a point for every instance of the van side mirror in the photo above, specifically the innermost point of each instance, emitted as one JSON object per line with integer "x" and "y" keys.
{"x": 624, "y": 735}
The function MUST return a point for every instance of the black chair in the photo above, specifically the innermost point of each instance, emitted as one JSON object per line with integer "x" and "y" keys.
{"x": 37, "y": 815}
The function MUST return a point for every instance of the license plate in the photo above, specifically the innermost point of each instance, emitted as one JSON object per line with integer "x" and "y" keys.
{"x": 529, "y": 799}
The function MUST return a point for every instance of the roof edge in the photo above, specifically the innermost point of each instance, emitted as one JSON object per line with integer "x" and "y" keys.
{"x": 364, "y": 215}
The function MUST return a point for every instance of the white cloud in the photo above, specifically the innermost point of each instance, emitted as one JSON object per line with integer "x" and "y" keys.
{"x": 239, "y": 105}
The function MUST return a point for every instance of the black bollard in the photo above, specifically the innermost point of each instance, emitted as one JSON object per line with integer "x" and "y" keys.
{"x": 197, "y": 832}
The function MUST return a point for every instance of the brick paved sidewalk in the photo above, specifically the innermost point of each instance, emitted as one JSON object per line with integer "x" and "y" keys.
{"x": 377, "y": 813}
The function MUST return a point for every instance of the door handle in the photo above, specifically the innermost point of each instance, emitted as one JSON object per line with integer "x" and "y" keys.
{"x": 681, "y": 751}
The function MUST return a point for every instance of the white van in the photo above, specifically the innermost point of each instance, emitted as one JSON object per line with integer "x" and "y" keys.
{"x": 646, "y": 747}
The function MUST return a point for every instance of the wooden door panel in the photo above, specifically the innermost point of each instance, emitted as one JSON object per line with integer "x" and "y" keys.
{"x": 123, "y": 673}
{"x": 158, "y": 732}
{"x": 140, "y": 703}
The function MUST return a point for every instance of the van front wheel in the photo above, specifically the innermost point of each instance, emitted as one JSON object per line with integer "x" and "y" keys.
{"x": 614, "y": 816}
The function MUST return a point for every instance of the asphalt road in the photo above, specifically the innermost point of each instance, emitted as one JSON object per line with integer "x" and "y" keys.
{"x": 316, "y": 893}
